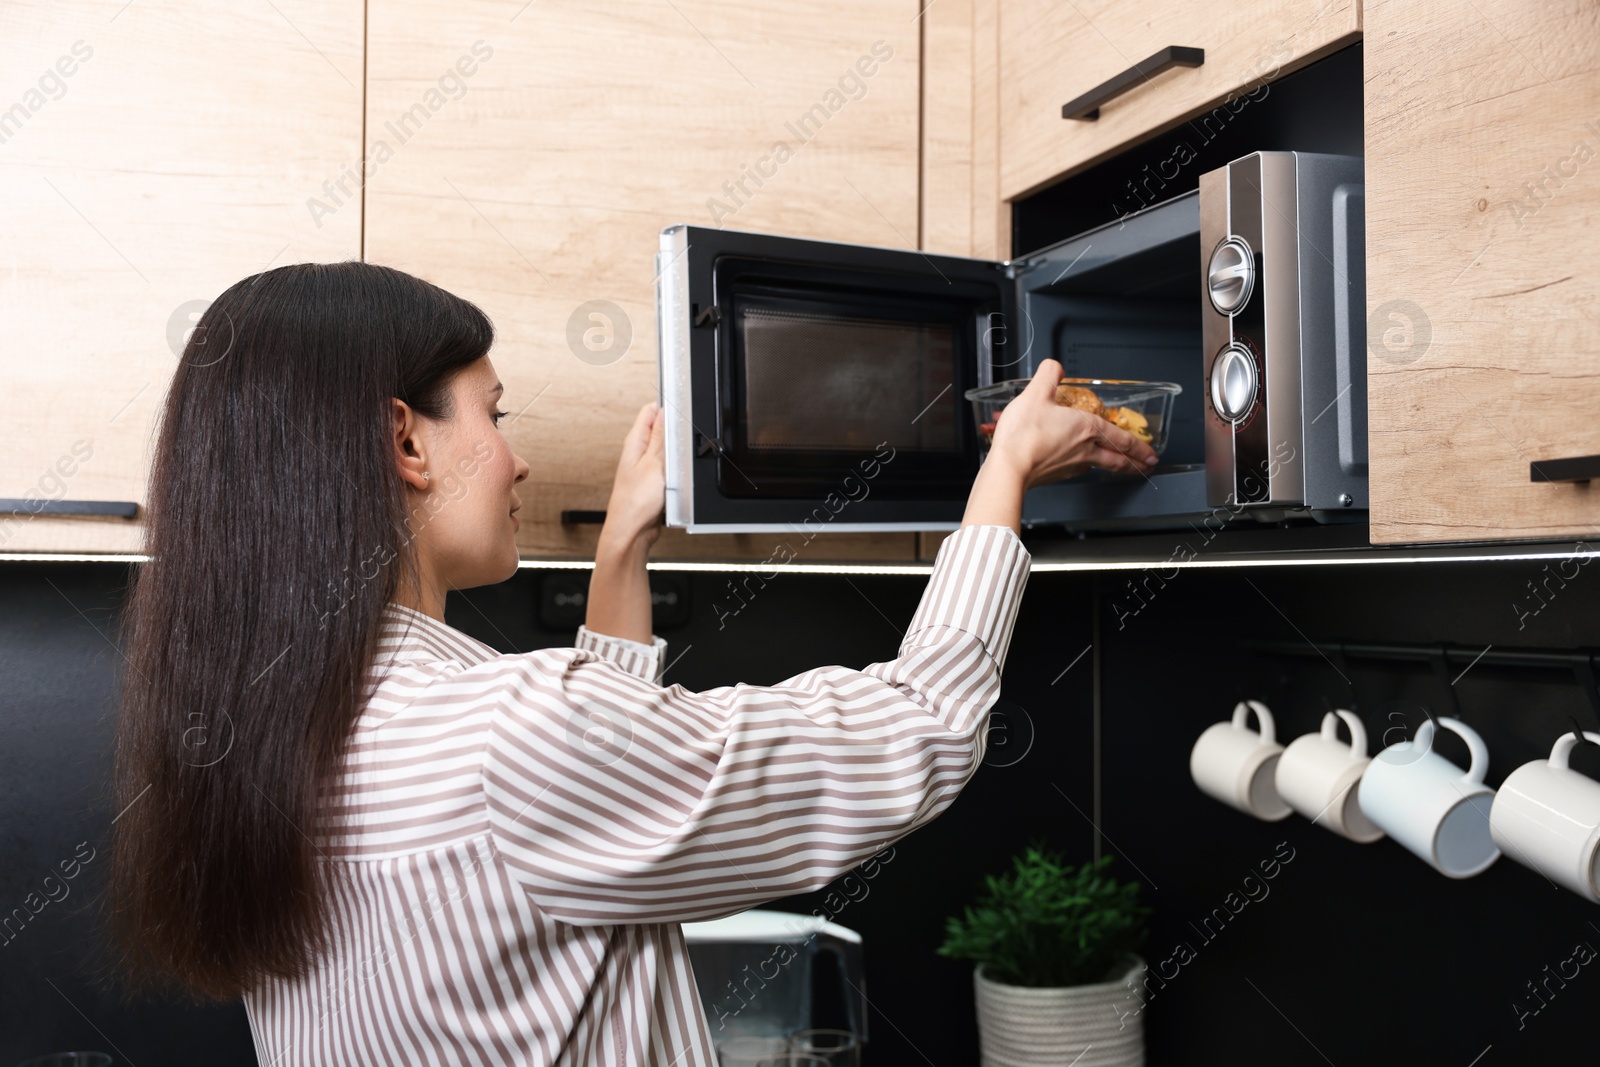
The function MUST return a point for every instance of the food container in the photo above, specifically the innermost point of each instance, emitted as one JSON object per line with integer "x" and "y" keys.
{"x": 1142, "y": 408}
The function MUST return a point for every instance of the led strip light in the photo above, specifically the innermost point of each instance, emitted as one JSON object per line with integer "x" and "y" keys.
{"x": 924, "y": 568}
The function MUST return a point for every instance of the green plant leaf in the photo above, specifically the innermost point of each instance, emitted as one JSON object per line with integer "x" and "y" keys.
{"x": 1048, "y": 923}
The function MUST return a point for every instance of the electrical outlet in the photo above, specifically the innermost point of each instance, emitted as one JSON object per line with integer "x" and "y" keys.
{"x": 564, "y": 600}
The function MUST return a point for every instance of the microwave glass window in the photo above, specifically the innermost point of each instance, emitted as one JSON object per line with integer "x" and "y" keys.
{"x": 818, "y": 382}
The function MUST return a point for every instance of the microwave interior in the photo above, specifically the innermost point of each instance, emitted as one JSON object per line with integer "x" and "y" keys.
{"x": 1122, "y": 301}
{"x": 815, "y": 372}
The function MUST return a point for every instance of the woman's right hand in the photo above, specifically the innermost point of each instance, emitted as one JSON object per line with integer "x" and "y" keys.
{"x": 1044, "y": 441}
{"x": 1039, "y": 441}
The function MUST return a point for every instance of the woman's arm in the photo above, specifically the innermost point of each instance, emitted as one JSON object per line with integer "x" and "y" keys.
{"x": 619, "y": 590}
{"x": 1040, "y": 442}
{"x": 613, "y": 800}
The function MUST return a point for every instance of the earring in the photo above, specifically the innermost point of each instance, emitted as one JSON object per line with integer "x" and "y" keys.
{"x": 424, "y": 475}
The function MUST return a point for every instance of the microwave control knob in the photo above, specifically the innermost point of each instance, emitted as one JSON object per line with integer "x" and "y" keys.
{"x": 1232, "y": 275}
{"x": 1233, "y": 383}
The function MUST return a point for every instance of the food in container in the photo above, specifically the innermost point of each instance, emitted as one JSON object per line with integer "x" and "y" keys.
{"x": 1144, "y": 409}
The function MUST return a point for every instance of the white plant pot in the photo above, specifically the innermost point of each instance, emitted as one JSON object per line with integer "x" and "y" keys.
{"x": 1096, "y": 1025}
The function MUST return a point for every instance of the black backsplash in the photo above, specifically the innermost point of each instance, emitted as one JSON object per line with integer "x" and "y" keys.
{"x": 1356, "y": 954}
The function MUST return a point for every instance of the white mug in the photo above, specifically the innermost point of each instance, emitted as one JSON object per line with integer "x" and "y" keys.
{"x": 1430, "y": 805}
{"x": 1320, "y": 777}
{"x": 1235, "y": 765}
{"x": 1547, "y": 816}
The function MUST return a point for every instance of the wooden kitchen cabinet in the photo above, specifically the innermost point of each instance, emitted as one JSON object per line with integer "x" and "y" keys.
{"x": 997, "y": 72}
{"x": 1483, "y": 214}
{"x": 1051, "y": 53}
{"x": 150, "y": 156}
{"x": 527, "y": 156}
{"x": 1482, "y": 210}
{"x": 555, "y": 141}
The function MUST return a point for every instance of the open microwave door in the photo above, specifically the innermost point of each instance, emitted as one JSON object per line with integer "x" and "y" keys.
{"x": 820, "y": 385}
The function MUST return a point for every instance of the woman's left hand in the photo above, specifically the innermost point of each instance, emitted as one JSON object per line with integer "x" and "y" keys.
{"x": 619, "y": 589}
{"x": 639, "y": 492}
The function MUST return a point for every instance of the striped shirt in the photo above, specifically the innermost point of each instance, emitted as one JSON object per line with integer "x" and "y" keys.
{"x": 518, "y": 837}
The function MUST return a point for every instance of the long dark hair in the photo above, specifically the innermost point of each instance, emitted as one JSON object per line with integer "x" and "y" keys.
{"x": 276, "y": 533}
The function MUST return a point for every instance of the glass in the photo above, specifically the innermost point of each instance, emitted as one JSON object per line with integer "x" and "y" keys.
{"x": 1145, "y": 405}
{"x": 793, "y": 1059}
{"x": 784, "y": 952}
{"x": 69, "y": 1059}
{"x": 750, "y": 1051}
{"x": 843, "y": 383}
{"x": 837, "y": 1048}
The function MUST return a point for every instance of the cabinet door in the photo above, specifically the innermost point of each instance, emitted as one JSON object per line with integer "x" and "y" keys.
{"x": 1483, "y": 216}
{"x": 531, "y": 158}
{"x": 1052, "y": 53}
{"x": 150, "y": 156}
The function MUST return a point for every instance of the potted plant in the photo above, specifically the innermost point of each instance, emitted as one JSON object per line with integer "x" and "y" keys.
{"x": 1055, "y": 948}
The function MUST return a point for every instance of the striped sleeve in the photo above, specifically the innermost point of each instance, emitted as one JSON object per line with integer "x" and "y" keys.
{"x": 978, "y": 575}
{"x": 638, "y": 659}
{"x": 614, "y": 800}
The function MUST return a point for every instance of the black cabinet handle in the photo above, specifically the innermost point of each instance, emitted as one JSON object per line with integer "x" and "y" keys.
{"x": 124, "y": 509}
{"x": 1573, "y": 469}
{"x": 578, "y": 517}
{"x": 1087, "y": 106}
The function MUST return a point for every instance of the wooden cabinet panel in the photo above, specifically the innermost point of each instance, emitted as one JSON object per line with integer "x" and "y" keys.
{"x": 151, "y": 155}
{"x": 1483, "y": 213}
{"x": 991, "y": 213}
{"x": 962, "y": 213}
{"x": 1051, "y": 53}
{"x": 539, "y": 184}
{"x": 948, "y": 158}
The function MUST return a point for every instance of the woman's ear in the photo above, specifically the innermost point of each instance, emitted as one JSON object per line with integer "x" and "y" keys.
{"x": 410, "y": 451}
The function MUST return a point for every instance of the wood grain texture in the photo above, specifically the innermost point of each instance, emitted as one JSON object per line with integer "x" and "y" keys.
{"x": 173, "y": 160}
{"x": 947, "y": 127}
{"x": 1051, "y": 53}
{"x": 928, "y": 543}
{"x": 544, "y": 183}
{"x": 1483, "y": 216}
{"x": 991, "y": 213}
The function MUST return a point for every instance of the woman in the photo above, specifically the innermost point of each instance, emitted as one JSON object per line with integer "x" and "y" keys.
{"x": 400, "y": 846}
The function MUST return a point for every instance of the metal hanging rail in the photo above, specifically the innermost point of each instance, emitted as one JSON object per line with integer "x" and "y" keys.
{"x": 1536, "y": 658}
{"x": 1580, "y": 661}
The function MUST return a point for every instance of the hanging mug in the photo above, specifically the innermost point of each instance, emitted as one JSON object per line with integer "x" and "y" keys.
{"x": 1430, "y": 805}
{"x": 1547, "y": 816}
{"x": 1235, "y": 764}
{"x": 1320, "y": 777}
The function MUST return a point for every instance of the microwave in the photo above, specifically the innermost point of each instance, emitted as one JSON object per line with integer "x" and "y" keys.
{"x": 816, "y": 385}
